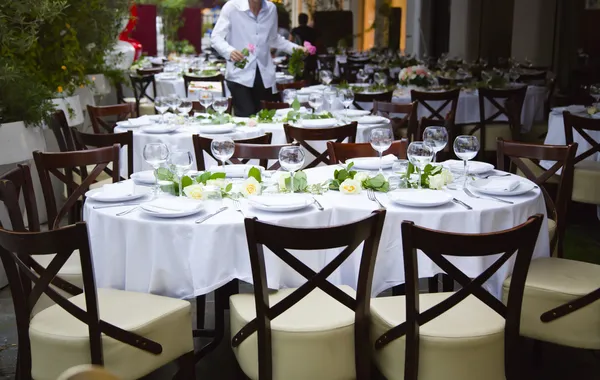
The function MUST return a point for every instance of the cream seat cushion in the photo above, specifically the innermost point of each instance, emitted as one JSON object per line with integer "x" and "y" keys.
{"x": 586, "y": 182}
{"x": 313, "y": 340}
{"x": 466, "y": 342}
{"x": 59, "y": 341}
{"x": 492, "y": 133}
{"x": 146, "y": 106}
{"x": 552, "y": 282}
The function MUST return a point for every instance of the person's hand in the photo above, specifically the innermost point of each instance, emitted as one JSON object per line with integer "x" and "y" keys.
{"x": 236, "y": 56}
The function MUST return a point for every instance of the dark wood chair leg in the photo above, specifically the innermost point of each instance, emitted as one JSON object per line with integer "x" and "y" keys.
{"x": 447, "y": 283}
{"x": 537, "y": 355}
{"x": 200, "y": 311}
{"x": 187, "y": 367}
{"x": 399, "y": 290}
{"x": 433, "y": 284}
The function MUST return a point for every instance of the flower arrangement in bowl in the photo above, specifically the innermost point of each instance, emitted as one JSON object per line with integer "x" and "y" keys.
{"x": 417, "y": 76}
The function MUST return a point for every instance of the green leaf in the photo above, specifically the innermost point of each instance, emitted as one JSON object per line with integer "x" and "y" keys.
{"x": 296, "y": 105}
{"x": 245, "y": 52}
{"x": 186, "y": 181}
{"x": 300, "y": 182}
{"x": 228, "y": 187}
{"x": 217, "y": 175}
{"x": 202, "y": 178}
{"x": 255, "y": 172}
{"x": 350, "y": 166}
{"x": 164, "y": 174}
{"x": 342, "y": 175}
{"x": 377, "y": 181}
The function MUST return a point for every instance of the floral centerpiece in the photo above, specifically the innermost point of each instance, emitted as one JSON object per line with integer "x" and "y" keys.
{"x": 296, "y": 64}
{"x": 416, "y": 76}
{"x": 432, "y": 176}
{"x": 349, "y": 181}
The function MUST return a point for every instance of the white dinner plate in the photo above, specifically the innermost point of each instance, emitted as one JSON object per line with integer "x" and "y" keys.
{"x": 419, "y": 197}
{"x": 284, "y": 111}
{"x": 354, "y": 113}
{"x": 372, "y": 163}
{"x": 165, "y": 76}
{"x": 172, "y": 207}
{"x": 473, "y": 167}
{"x": 371, "y": 119}
{"x": 160, "y": 128}
{"x": 216, "y": 128}
{"x": 129, "y": 193}
{"x": 135, "y": 122}
{"x": 280, "y": 202}
{"x": 318, "y": 123}
{"x": 146, "y": 177}
{"x": 522, "y": 188}
{"x": 234, "y": 171}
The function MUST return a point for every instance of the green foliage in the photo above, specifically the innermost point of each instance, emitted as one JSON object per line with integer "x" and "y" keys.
{"x": 428, "y": 172}
{"x": 296, "y": 63}
{"x": 183, "y": 47}
{"x": 265, "y": 116}
{"x": 340, "y": 176}
{"x": 255, "y": 173}
{"x": 204, "y": 177}
{"x": 377, "y": 183}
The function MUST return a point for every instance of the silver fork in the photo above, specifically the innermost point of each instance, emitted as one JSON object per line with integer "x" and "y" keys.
{"x": 238, "y": 207}
{"x": 371, "y": 195}
{"x": 469, "y": 193}
{"x": 493, "y": 175}
{"x": 128, "y": 211}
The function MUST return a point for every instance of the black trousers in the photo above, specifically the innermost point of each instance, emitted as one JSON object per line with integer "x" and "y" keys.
{"x": 246, "y": 100}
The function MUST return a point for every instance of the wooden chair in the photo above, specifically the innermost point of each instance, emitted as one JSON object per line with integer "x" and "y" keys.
{"x": 202, "y": 144}
{"x": 517, "y": 153}
{"x": 196, "y": 106}
{"x": 586, "y": 182}
{"x": 266, "y": 105}
{"x": 52, "y": 163}
{"x": 533, "y": 78}
{"x": 293, "y": 85}
{"x": 187, "y": 79}
{"x": 144, "y": 103}
{"x": 245, "y": 152}
{"x": 315, "y": 337}
{"x": 75, "y": 330}
{"x": 446, "y": 98}
{"x": 402, "y": 127}
{"x": 87, "y": 372}
{"x": 464, "y": 335}
{"x": 124, "y": 139}
{"x": 60, "y": 128}
{"x": 303, "y": 135}
{"x": 371, "y": 98}
{"x": 339, "y": 153}
{"x": 150, "y": 71}
{"x": 119, "y": 111}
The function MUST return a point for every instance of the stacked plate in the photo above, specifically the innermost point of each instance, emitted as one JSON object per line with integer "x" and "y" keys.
{"x": 118, "y": 192}
{"x": 510, "y": 186}
{"x": 172, "y": 207}
{"x": 419, "y": 197}
{"x": 280, "y": 202}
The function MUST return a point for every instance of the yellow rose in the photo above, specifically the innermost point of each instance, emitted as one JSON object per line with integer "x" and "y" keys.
{"x": 251, "y": 187}
{"x": 59, "y": 89}
{"x": 194, "y": 191}
{"x": 350, "y": 186}
{"x": 63, "y": 67}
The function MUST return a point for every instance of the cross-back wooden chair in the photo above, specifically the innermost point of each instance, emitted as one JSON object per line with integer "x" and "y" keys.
{"x": 187, "y": 79}
{"x": 53, "y": 163}
{"x": 556, "y": 206}
{"x": 304, "y": 135}
{"x": 150, "y": 71}
{"x": 533, "y": 77}
{"x": 140, "y": 86}
{"x": 54, "y": 341}
{"x": 359, "y": 97}
{"x": 196, "y": 106}
{"x": 587, "y": 171}
{"x": 202, "y": 145}
{"x": 124, "y": 139}
{"x": 468, "y": 326}
{"x": 245, "y": 152}
{"x": 266, "y": 105}
{"x": 62, "y": 132}
{"x": 347, "y": 360}
{"x": 340, "y": 152}
{"x": 292, "y": 85}
{"x": 118, "y": 111}
{"x": 444, "y": 98}
{"x": 402, "y": 127}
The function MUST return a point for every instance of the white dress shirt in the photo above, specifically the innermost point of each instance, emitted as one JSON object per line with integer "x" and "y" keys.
{"x": 236, "y": 28}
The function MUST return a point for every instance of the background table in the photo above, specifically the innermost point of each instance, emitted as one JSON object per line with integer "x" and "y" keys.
{"x": 556, "y": 136}
{"x": 179, "y": 258}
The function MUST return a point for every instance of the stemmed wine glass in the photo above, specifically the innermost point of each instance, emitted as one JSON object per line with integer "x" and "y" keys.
{"x": 381, "y": 140}
{"x": 222, "y": 148}
{"x": 289, "y": 95}
{"x": 173, "y": 101}
{"x": 465, "y": 148}
{"x": 220, "y": 104}
{"x": 161, "y": 104}
{"x": 347, "y": 99}
{"x": 362, "y": 76}
{"x": 595, "y": 92}
{"x": 291, "y": 158}
{"x": 315, "y": 100}
{"x": 184, "y": 108}
{"x": 419, "y": 154}
{"x": 156, "y": 154}
{"x": 330, "y": 94}
{"x": 379, "y": 79}
{"x": 181, "y": 161}
{"x": 437, "y": 137}
{"x": 206, "y": 99}
{"x": 326, "y": 77}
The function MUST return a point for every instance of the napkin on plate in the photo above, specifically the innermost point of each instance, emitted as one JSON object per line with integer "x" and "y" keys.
{"x": 116, "y": 190}
{"x": 284, "y": 111}
{"x": 136, "y": 122}
{"x": 234, "y": 171}
{"x": 501, "y": 184}
{"x": 167, "y": 205}
{"x": 318, "y": 123}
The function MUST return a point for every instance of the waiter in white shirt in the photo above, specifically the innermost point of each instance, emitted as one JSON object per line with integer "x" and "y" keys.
{"x": 240, "y": 24}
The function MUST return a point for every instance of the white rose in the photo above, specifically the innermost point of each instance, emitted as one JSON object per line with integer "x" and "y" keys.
{"x": 361, "y": 176}
{"x": 251, "y": 187}
{"x": 194, "y": 191}
{"x": 220, "y": 182}
{"x": 281, "y": 181}
{"x": 436, "y": 182}
{"x": 447, "y": 176}
{"x": 350, "y": 186}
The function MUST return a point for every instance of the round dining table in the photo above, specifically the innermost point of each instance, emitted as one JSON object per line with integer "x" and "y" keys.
{"x": 183, "y": 259}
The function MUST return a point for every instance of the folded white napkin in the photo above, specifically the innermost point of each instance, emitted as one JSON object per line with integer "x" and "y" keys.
{"x": 503, "y": 184}
{"x": 388, "y": 158}
{"x": 117, "y": 190}
{"x": 319, "y": 123}
{"x": 138, "y": 121}
{"x": 371, "y": 119}
{"x": 234, "y": 171}
{"x": 146, "y": 176}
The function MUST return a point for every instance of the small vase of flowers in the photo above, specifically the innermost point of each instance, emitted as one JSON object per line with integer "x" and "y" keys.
{"x": 415, "y": 76}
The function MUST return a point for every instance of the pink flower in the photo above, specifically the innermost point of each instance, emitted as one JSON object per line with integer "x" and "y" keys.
{"x": 251, "y": 48}
{"x": 312, "y": 50}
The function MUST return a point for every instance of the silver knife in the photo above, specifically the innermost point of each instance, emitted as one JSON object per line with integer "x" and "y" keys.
{"x": 319, "y": 206}
{"x": 116, "y": 205}
{"x": 206, "y": 217}
{"x": 501, "y": 200}
{"x": 462, "y": 204}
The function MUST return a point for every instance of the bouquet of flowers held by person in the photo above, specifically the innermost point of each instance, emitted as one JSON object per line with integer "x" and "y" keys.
{"x": 418, "y": 76}
{"x": 296, "y": 64}
{"x": 246, "y": 52}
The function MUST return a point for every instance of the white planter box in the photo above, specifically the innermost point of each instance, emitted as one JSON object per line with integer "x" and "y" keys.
{"x": 17, "y": 142}
{"x": 100, "y": 85}
{"x": 75, "y": 117}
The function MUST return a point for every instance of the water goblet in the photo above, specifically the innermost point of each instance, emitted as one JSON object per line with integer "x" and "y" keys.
{"x": 206, "y": 99}
{"x": 362, "y": 76}
{"x": 380, "y": 79}
{"x": 220, "y": 104}
{"x": 156, "y": 154}
{"x": 419, "y": 154}
{"x": 174, "y": 102}
{"x": 181, "y": 161}
{"x": 315, "y": 100}
{"x": 465, "y": 148}
{"x": 347, "y": 99}
{"x": 437, "y": 137}
{"x": 326, "y": 77}
{"x": 222, "y": 148}
{"x": 330, "y": 94}
{"x": 184, "y": 108}
{"x": 291, "y": 158}
{"x": 289, "y": 95}
{"x": 381, "y": 140}
{"x": 161, "y": 104}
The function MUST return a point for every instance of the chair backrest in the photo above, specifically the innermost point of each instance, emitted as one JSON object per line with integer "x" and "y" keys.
{"x": 279, "y": 239}
{"x": 266, "y": 105}
{"x": 538, "y": 77}
{"x": 52, "y": 163}
{"x": 409, "y": 121}
{"x": 447, "y": 152}
{"x": 17, "y": 248}
{"x": 293, "y": 85}
{"x": 187, "y": 79}
{"x": 507, "y": 102}
{"x": 118, "y": 111}
{"x": 12, "y": 184}
{"x": 245, "y": 152}
{"x": 359, "y": 97}
{"x": 340, "y": 152}
{"x": 124, "y": 139}
{"x": 436, "y": 245}
{"x": 150, "y": 71}
{"x": 196, "y": 106}
{"x": 140, "y": 85}
{"x": 564, "y": 157}
{"x": 358, "y": 60}
{"x": 202, "y": 144}
{"x": 582, "y": 125}
{"x": 303, "y": 135}
{"x": 62, "y": 132}
{"x": 446, "y": 98}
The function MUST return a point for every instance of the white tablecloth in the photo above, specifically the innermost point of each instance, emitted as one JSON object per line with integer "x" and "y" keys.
{"x": 556, "y": 136}
{"x": 467, "y": 111}
{"x": 179, "y": 258}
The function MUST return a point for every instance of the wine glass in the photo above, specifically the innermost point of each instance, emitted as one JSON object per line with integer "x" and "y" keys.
{"x": 289, "y": 95}
{"x": 162, "y": 106}
{"x": 326, "y": 77}
{"x": 513, "y": 74}
{"x": 595, "y": 92}
{"x": 184, "y": 108}
{"x": 347, "y": 99}
{"x": 222, "y": 148}
{"x": 330, "y": 94}
{"x": 465, "y": 148}
{"x": 315, "y": 100}
{"x": 220, "y": 104}
{"x": 380, "y": 79}
{"x": 206, "y": 99}
{"x": 156, "y": 154}
{"x": 419, "y": 154}
{"x": 174, "y": 102}
{"x": 291, "y": 158}
{"x": 362, "y": 76}
{"x": 437, "y": 137}
{"x": 381, "y": 140}
{"x": 181, "y": 161}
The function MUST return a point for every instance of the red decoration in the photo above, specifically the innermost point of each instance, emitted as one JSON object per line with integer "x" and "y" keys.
{"x": 124, "y": 36}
